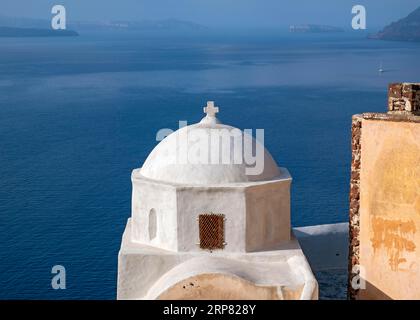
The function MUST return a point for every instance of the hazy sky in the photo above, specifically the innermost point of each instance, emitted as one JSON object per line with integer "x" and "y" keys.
{"x": 236, "y": 13}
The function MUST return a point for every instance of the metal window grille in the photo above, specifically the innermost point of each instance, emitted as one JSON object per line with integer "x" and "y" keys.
{"x": 212, "y": 231}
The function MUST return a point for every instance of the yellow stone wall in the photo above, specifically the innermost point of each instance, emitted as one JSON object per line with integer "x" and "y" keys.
{"x": 389, "y": 236}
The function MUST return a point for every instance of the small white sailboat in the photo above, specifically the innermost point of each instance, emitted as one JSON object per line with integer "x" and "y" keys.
{"x": 381, "y": 68}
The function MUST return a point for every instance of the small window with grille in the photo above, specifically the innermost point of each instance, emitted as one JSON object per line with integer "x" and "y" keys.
{"x": 212, "y": 231}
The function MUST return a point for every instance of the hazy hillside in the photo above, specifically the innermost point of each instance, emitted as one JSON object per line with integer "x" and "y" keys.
{"x": 34, "y": 32}
{"x": 313, "y": 28}
{"x": 168, "y": 25}
{"x": 407, "y": 29}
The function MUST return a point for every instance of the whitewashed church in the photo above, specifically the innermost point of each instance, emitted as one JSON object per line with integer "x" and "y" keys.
{"x": 205, "y": 224}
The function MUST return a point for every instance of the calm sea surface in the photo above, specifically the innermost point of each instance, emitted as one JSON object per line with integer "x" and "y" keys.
{"x": 78, "y": 114}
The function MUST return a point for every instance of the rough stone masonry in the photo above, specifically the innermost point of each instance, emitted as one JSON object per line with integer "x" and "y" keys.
{"x": 404, "y": 98}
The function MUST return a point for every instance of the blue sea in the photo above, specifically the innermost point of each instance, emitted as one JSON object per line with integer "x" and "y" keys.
{"x": 78, "y": 114}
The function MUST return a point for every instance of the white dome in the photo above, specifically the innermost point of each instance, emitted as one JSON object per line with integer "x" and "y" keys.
{"x": 191, "y": 156}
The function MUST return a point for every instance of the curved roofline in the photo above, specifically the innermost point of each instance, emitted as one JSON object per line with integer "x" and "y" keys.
{"x": 284, "y": 176}
{"x": 226, "y": 155}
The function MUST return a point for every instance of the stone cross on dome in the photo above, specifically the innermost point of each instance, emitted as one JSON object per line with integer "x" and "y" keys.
{"x": 211, "y": 110}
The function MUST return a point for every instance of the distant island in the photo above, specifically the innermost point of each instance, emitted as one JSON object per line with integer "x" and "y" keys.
{"x": 314, "y": 28}
{"x": 42, "y": 27}
{"x": 141, "y": 25}
{"x": 406, "y": 29}
{"x": 34, "y": 32}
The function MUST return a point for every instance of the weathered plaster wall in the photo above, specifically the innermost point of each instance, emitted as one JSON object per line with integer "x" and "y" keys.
{"x": 193, "y": 201}
{"x": 148, "y": 197}
{"x": 218, "y": 286}
{"x": 267, "y": 215}
{"x": 257, "y": 215}
{"x": 390, "y": 209}
{"x": 385, "y": 198}
{"x": 165, "y": 215}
